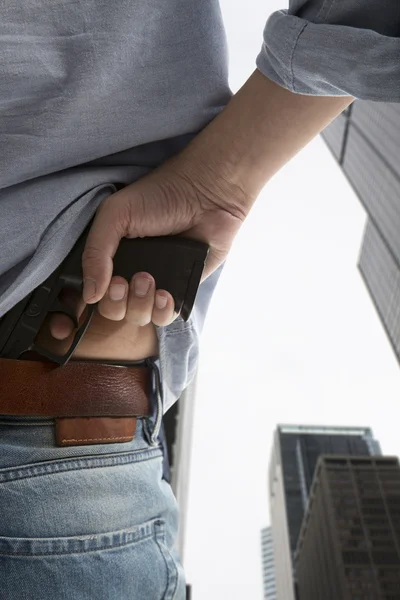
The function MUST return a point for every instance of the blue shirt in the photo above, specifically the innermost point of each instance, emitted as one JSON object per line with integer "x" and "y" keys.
{"x": 98, "y": 93}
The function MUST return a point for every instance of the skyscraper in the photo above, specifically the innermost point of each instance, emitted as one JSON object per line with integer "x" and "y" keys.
{"x": 381, "y": 275}
{"x": 268, "y": 564}
{"x": 365, "y": 140}
{"x": 295, "y": 453}
{"x": 349, "y": 544}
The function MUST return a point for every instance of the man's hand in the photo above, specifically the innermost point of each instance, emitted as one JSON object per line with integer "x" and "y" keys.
{"x": 206, "y": 191}
{"x": 165, "y": 202}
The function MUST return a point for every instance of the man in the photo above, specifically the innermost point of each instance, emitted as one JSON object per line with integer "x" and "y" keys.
{"x": 124, "y": 109}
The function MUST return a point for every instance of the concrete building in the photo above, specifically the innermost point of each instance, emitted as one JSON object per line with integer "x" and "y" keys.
{"x": 349, "y": 544}
{"x": 268, "y": 564}
{"x": 295, "y": 454}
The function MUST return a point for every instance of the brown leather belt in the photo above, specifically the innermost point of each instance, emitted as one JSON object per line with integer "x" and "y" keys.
{"x": 92, "y": 403}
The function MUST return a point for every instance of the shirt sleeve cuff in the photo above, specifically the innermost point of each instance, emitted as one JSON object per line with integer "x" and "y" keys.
{"x": 330, "y": 60}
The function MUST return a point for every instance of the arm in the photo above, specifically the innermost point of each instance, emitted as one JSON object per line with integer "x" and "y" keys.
{"x": 260, "y": 130}
{"x": 206, "y": 190}
{"x": 316, "y": 58}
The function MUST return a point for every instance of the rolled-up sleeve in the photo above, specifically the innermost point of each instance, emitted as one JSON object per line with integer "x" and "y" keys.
{"x": 335, "y": 48}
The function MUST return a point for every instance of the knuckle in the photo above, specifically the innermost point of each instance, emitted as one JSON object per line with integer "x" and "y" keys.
{"x": 114, "y": 317}
{"x": 91, "y": 254}
{"x": 139, "y": 318}
{"x": 140, "y": 303}
{"x": 159, "y": 322}
{"x": 159, "y": 319}
{"x": 139, "y": 312}
{"x": 111, "y": 313}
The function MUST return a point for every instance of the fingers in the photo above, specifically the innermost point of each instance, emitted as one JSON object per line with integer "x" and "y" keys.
{"x": 60, "y": 325}
{"x": 139, "y": 302}
{"x": 113, "y": 304}
{"x": 163, "y": 309}
{"x": 102, "y": 242}
{"x": 141, "y": 299}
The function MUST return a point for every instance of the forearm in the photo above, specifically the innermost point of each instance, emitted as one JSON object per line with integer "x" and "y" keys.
{"x": 259, "y": 131}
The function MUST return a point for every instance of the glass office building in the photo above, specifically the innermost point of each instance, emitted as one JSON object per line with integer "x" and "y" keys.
{"x": 365, "y": 140}
{"x": 349, "y": 544}
{"x": 295, "y": 454}
{"x": 381, "y": 276}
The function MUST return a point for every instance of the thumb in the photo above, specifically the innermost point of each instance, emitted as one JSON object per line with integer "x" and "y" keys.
{"x": 101, "y": 245}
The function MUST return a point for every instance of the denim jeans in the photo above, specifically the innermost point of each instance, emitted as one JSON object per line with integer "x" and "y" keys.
{"x": 85, "y": 522}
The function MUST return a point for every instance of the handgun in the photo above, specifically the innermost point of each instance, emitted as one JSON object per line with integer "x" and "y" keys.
{"x": 176, "y": 263}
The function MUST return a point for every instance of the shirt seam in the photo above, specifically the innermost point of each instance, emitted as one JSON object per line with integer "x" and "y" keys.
{"x": 292, "y": 55}
{"x": 326, "y": 3}
{"x": 322, "y": 20}
{"x": 332, "y": 2}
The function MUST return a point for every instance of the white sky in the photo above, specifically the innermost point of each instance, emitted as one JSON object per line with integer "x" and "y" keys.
{"x": 291, "y": 337}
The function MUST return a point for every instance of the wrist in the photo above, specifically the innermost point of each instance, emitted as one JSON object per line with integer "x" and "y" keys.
{"x": 193, "y": 181}
{"x": 214, "y": 183}
{"x": 261, "y": 129}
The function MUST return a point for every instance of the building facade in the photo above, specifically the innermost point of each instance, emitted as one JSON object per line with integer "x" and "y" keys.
{"x": 268, "y": 564}
{"x": 349, "y": 544}
{"x": 381, "y": 275}
{"x": 365, "y": 140}
{"x": 294, "y": 457}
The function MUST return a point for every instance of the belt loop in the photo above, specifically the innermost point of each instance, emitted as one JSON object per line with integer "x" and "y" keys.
{"x": 159, "y": 406}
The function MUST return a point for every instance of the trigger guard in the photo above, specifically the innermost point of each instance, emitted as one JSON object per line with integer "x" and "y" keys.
{"x": 62, "y": 360}
{"x": 59, "y": 307}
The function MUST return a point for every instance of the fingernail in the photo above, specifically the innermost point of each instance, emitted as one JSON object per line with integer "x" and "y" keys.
{"x": 89, "y": 289}
{"x": 117, "y": 291}
{"x": 142, "y": 286}
{"x": 161, "y": 301}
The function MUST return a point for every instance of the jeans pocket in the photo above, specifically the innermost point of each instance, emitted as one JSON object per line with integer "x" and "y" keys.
{"x": 129, "y": 564}
{"x": 86, "y": 527}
